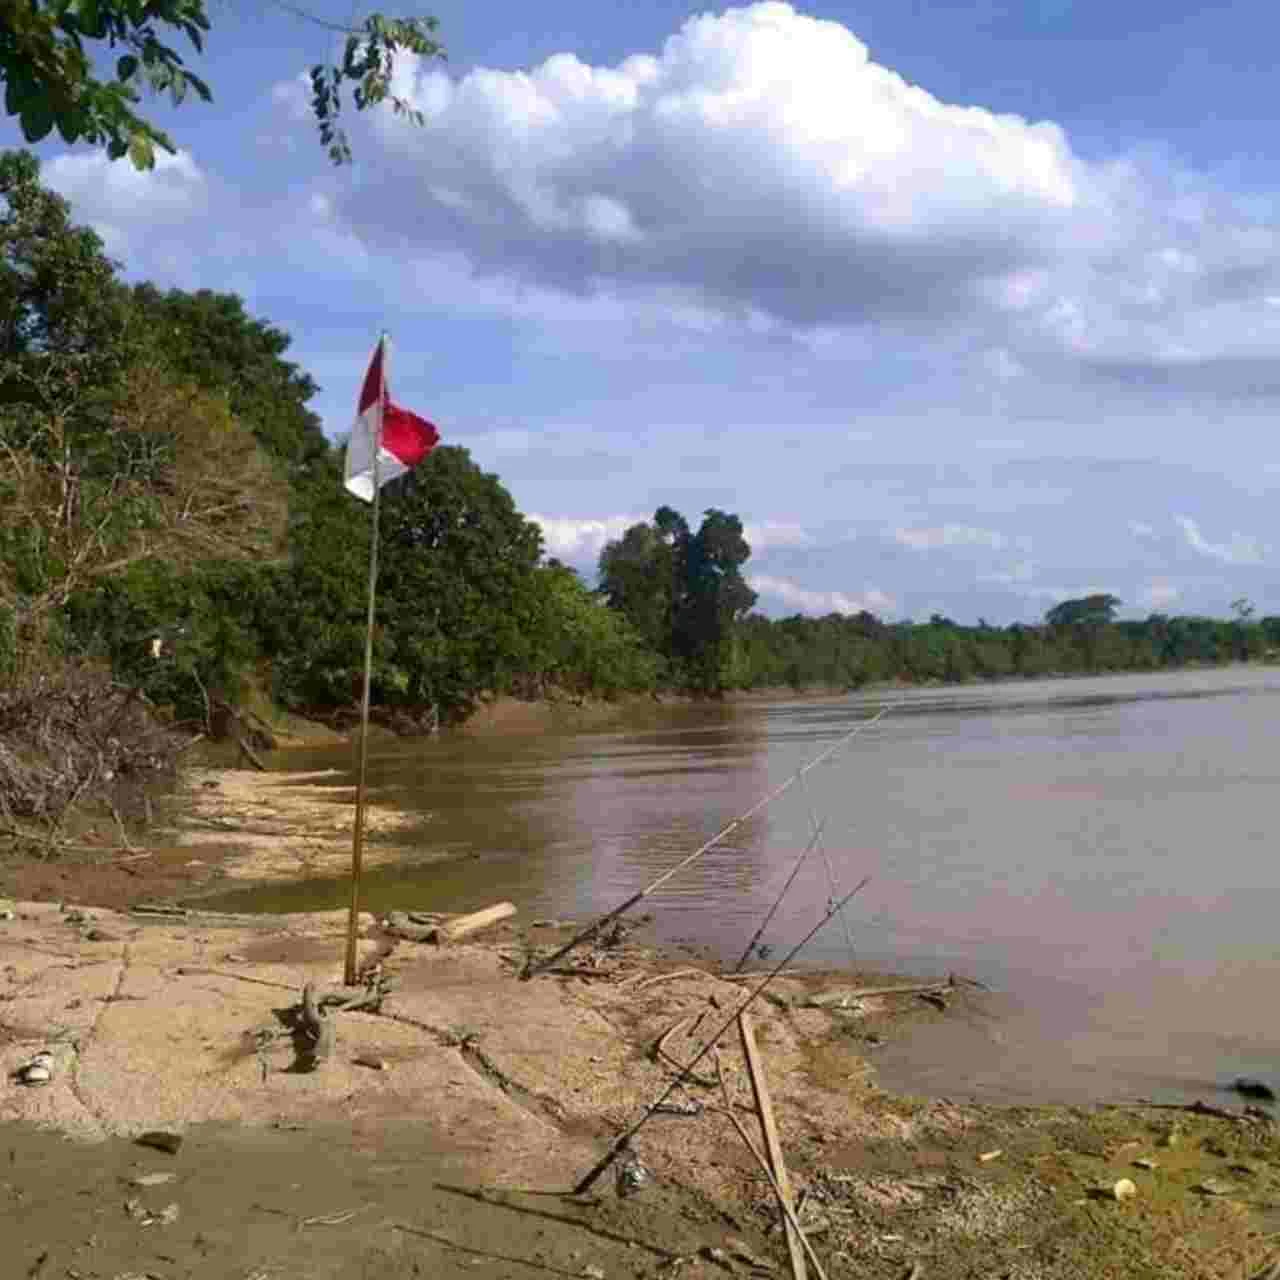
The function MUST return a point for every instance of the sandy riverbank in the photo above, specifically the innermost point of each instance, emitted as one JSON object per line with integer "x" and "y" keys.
{"x": 428, "y": 1144}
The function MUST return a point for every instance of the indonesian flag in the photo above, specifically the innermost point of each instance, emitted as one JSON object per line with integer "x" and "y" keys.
{"x": 386, "y": 440}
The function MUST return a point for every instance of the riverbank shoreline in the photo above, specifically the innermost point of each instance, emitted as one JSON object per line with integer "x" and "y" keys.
{"x": 451, "y": 1121}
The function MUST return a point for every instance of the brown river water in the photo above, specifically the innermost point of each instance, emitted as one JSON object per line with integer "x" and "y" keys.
{"x": 1101, "y": 852}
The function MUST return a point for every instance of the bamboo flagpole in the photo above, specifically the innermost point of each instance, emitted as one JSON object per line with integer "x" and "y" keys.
{"x": 387, "y": 442}
{"x": 362, "y": 749}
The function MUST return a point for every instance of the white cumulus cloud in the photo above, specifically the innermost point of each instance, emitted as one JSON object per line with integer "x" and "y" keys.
{"x": 1240, "y": 549}
{"x": 116, "y": 193}
{"x": 570, "y": 538}
{"x": 775, "y": 533}
{"x": 761, "y": 159}
{"x": 799, "y": 598}
{"x": 760, "y": 169}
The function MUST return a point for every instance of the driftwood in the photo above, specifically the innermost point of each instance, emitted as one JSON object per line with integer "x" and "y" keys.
{"x": 463, "y": 926}
{"x": 773, "y": 1144}
{"x": 408, "y": 924}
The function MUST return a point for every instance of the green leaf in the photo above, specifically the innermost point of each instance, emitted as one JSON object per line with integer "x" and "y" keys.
{"x": 127, "y": 67}
{"x": 37, "y": 119}
{"x": 141, "y": 152}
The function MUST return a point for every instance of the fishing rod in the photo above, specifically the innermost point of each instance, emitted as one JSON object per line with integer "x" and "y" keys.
{"x": 795, "y": 871}
{"x": 533, "y": 968}
{"x": 621, "y": 1143}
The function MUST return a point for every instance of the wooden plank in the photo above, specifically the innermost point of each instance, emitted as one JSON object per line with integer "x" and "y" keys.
{"x": 773, "y": 1145}
{"x": 463, "y": 926}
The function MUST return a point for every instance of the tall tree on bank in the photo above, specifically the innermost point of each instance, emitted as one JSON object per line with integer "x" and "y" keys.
{"x": 682, "y": 591}
{"x": 47, "y": 65}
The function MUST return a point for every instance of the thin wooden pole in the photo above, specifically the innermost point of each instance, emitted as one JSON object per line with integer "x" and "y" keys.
{"x": 357, "y": 837}
{"x": 773, "y": 1144}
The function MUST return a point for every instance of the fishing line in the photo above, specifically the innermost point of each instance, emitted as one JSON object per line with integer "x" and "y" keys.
{"x": 534, "y": 967}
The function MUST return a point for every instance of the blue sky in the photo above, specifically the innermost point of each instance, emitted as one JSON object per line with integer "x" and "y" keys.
{"x": 963, "y": 307}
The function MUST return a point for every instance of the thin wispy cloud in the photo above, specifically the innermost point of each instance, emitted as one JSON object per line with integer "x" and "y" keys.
{"x": 1240, "y": 549}
{"x": 950, "y": 535}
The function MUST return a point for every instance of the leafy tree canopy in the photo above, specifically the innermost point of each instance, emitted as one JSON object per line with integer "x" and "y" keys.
{"x": 47, "y": 64}
{"x": 1090, "y": 611}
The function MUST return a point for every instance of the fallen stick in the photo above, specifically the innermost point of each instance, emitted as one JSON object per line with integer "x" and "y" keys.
{"x": 661, "y": 1051}
{"x": 827, "y": 999}
{"x": 758, "y": 1155}
{"x": 671, "y": 977}
{"x": 772, "y": 1142}
{"x": 251, "y": 755}
{"x": 188, "y": 971}
{"x": 463, "y": 926}
{"x": 1197, "y": 1108}
{"x": 623, "y": 1140}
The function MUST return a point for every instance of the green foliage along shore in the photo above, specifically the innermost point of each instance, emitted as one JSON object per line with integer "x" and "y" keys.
{"x": 171, "y": 511}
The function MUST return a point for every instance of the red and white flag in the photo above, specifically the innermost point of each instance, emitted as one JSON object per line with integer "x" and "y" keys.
{"x": 386, "y": 440}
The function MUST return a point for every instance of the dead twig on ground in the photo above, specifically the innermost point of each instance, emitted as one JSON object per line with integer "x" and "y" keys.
{"x": 668, "y": 977}
{"x": 333, "y": 1219}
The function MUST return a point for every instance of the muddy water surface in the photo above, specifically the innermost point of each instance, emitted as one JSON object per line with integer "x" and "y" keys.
{"x": 1102, "y": 852}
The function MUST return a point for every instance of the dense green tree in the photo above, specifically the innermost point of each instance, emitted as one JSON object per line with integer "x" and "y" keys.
{"x": 47, "y": 64}
{"x": 210, "y": 340}
{"x": 684, "y": 592}
{"x": 1085, "y": 611}
{"x": 636, "y": 576}
{"x": 109, "y": 459}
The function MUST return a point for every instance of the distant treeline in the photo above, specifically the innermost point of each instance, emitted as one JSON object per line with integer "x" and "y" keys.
{"x": 686, "y": 596}
{"x": 172, "y": 513}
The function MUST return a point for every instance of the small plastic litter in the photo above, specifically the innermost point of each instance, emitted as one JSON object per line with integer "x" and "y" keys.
{"x": 632, "y": 1176}
{"x": 38, "y": 1071}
